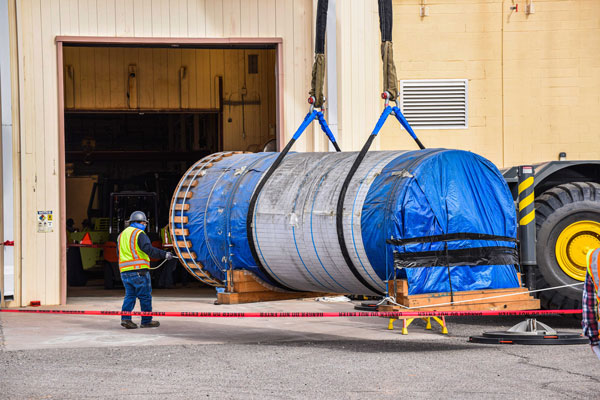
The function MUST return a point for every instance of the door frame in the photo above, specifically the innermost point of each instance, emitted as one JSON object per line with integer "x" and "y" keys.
{"x": 147, "y": 42}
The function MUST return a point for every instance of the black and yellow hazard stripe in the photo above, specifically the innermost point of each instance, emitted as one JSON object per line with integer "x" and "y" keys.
{"x": 526, "y": 206}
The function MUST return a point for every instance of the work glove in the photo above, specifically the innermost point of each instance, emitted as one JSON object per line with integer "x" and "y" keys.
{"x": 169, "y": 255}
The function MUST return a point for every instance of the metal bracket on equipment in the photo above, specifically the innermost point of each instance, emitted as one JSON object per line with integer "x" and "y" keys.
{"x": 530, "y": 331}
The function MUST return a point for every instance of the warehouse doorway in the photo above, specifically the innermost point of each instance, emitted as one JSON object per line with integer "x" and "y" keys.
{"x": 135, "y": 115}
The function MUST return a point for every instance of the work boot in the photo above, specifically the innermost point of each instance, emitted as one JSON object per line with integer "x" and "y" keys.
{"x": 151, "y": 324}
{"x": 128, "y": 324}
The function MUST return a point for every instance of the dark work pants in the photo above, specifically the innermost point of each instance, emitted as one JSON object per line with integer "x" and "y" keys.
{"x": 137, "y": 286}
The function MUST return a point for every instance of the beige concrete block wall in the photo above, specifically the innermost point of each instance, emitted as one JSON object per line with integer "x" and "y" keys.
{"x": 552, "y": 82}
{"x": 534, "y": 78}
{"x": 38, "y": 22}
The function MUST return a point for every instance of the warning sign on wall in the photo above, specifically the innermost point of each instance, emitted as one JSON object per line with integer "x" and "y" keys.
{"x": 45, "y": 222}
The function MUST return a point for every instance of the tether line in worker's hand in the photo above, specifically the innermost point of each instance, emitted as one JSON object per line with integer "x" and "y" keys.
{"x": 164, "y": 261}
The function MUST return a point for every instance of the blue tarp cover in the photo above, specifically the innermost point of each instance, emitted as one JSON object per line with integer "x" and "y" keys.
{"x": 220, "y": 205}
{"x": 435, "y": 192}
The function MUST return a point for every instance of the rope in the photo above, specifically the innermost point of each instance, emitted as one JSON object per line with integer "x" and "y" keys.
{"x": 164, "y": 261}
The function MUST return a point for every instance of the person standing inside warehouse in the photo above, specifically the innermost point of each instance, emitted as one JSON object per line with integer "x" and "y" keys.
{"x": 135, "y": 250}
{"x": 591, "y": 293}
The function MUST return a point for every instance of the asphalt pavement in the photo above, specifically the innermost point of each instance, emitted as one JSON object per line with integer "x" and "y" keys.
{"x": 92, "y": 357}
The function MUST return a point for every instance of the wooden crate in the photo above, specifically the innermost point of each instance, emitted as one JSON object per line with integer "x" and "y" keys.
{"x": 243, "y": 287}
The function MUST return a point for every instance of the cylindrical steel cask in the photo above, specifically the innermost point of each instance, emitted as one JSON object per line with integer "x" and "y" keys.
{"x": 292, "y": 239}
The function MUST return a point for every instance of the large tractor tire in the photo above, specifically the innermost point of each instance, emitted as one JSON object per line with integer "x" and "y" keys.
{"x": 568, "y": 226}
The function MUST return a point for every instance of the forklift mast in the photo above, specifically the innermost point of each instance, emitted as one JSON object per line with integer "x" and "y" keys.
{"x": 122, "y": 204}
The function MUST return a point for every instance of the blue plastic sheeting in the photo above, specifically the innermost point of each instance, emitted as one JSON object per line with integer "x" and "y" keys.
{"x": 219, "y": 205}
{"x": 435, "y": 192}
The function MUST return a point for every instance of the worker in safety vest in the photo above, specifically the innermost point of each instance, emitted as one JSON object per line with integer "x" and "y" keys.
{"x": 135, "y": 250}
{"x": 591, "y": 294}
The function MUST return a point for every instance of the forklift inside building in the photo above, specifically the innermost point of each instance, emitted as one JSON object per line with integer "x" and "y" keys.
{"x": 136, "y": 118}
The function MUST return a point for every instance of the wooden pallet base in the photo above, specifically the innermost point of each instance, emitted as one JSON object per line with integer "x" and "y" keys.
{"x": 493, "y": 299}
{"x": 244, "y": 288}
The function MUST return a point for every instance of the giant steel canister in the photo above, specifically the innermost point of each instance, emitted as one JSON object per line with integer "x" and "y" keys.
{"x": 290, "y": 240}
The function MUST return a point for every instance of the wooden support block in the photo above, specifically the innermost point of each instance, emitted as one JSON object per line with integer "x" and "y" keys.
{"x": 250, "y": 286}
{"x": 182, "y": 220}
{"x": 182, "y": 232}
{"x": 491, "y": 304}
{"x": 183, "y": 243}
{"x": 239, "y": 275}
{"x": 190, "y": 183}
{"x": 253, "y": 297}
{"x": 182, "y": 207}
{"x": 243, "y": 287}
{"x": 489, "y": 299}
{"x": 398, "y": 286}
{"x": 188, "y": 256}
{"x": 185, "y": 195}
{"x": 519, "y": 294}
{"x": 205, "y": 166}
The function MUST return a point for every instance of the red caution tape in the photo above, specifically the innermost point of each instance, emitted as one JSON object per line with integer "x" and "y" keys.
{"x": 9, "y": 243}
{"x": 386, "y": 314}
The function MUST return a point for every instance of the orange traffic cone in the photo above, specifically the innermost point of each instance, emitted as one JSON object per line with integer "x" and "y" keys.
{"x": 86, "y": 239}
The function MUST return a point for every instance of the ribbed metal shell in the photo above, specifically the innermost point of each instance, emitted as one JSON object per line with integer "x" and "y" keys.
{"x": 294, "y": 226}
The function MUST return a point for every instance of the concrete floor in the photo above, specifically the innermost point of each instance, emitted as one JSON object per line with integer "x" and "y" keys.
{"x": 75, "y": 356}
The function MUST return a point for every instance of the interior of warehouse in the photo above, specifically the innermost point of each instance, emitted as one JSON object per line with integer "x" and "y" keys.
{"x": 135, "y": 119}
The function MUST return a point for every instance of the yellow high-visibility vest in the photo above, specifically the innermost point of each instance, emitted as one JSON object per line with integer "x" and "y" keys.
{"x": 131, "y": 257}
{"x": 165, "y": 234}
{"x": 593, "y": 268}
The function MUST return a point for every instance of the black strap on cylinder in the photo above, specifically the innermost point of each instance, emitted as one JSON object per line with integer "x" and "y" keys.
{"x": 449, "y": 237}
{"x": 475, "y": 256}
{"x": 339, "y": 220}
{"x": 252, "y": 207}
{"x": 317, "y": 93}
{"x": 385, "y": 24}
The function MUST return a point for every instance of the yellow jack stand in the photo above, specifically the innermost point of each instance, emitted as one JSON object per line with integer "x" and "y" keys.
{"x": 407, "y": 321}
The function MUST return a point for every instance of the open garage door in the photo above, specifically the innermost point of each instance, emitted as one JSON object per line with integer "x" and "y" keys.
{"x": 135, "y": 119}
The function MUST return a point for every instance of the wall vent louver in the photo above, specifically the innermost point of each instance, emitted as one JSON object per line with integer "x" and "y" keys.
{"x": 434, "y": 103}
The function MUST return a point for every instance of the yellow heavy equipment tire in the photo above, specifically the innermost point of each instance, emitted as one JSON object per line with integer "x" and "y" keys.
{"x": 568, "y": 225}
